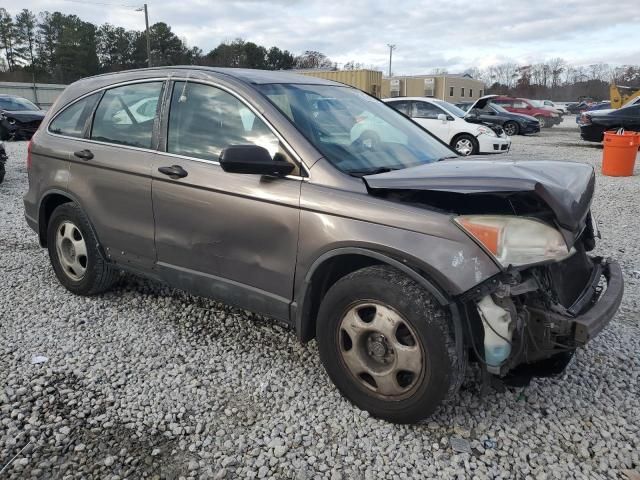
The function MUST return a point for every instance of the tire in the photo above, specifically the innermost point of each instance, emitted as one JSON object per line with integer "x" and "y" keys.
{"x": 349, "y": 342}
{"x": 544, "y": 123}
{"x": 4, "y": 134}
{"x": 511, "y": 128}
{"x": 2, "y": 171}
{"x": 81, "y": 270}
{"x": 465, "y": 144}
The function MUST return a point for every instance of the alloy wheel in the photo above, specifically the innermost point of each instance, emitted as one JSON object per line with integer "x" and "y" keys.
{"x": 510, "y": 129}
{"x": 381, "y": 350}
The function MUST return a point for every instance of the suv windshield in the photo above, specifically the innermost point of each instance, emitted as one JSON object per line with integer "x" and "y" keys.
{"x": 16, "y": 104}
{"x": 357, "y": 133}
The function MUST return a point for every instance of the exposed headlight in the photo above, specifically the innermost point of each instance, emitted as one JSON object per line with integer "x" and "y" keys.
{"x": 515, "y": 240}
{"x": 12, "y": 121}
{"x": 487, "y": 131}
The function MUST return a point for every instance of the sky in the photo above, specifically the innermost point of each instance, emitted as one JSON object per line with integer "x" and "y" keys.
{"x": 452, "y": 35}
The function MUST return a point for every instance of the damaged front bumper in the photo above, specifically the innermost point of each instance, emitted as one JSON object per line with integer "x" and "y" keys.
{"x": 533, "y": 316}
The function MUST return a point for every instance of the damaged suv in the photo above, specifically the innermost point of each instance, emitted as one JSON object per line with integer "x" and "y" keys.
{"x": 262, "y": 190}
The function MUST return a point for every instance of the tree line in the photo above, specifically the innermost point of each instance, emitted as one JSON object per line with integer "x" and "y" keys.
{"x": 556, "y": 79}
{"x": 60, "y": 48}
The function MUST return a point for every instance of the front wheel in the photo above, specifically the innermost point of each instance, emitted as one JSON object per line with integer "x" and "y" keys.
{"x": 387, "y": 345}
{"x": 544, "y": 123}
{"x": 465, "y": 144}
{"x": 511, "y": 128}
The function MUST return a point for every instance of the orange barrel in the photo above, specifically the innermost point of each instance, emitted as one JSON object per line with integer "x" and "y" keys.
{"x": 619, "y": 155}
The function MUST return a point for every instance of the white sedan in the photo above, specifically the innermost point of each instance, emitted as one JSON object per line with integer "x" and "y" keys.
{"x": 446, "y": 121}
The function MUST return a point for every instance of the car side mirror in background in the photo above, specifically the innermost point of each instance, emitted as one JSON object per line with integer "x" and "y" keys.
{"x": 254, "y": 160}
{"x": 442, "y": 117}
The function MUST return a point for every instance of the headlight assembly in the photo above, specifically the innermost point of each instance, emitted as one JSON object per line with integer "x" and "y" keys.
{"x": 515, "y": 240}
{"x": 487, "y": 131}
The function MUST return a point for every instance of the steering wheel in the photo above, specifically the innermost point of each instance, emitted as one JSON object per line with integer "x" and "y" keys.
{"x": 367, "y": 140}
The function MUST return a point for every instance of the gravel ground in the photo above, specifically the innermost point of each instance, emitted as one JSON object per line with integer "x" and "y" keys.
{"x": 149, "y": 382}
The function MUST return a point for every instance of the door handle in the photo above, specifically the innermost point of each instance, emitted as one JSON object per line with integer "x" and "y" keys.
{"x": 174, "y": 171}
{"x": 84, "y": 154}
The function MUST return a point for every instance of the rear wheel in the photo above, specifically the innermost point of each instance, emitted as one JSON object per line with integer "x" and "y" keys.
{"x": 74, "y": 253}
{"x": 387, "y": 345}
{"x": 465, "y": 144}
{"x": 511, "y": 128}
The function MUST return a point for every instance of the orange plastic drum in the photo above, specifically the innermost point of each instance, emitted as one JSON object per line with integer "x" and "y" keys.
{"x": 619, "y": 156}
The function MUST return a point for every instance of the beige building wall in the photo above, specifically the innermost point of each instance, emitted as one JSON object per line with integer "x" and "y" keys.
{"x": 451, "y": 88}
{"x": 369, "y": 81}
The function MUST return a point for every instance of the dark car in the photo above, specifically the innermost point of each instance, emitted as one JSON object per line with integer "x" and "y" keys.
{"x": 19, "y": 118}
{"x": 594, "y": 124}
{"x": 483, "y": 111}
{"x": 401, "y": 258}
{"x": 592, "y": 108}
{"x": 3, "y": 160}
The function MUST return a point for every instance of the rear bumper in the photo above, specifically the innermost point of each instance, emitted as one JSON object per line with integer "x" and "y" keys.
{"x": 593, "y": 312}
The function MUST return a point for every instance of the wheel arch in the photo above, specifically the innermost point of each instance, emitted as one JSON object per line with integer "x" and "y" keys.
{"x": 335, "y": 264}
{"x": 50, "y": 200}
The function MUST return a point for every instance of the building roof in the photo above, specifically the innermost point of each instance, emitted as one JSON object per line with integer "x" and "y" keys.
{"x": 427, "y": 75}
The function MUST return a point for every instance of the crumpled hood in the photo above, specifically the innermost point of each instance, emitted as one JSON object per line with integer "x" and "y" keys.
{"x": 566, "y": 187}
{"x": 25, "y": 115}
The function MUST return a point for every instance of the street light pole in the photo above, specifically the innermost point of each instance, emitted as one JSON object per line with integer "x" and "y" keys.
{"x": 146, "y": 22}
{"x": 391, "y": 49}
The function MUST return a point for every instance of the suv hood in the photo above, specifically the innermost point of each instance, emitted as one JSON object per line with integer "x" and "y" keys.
{"x": 565, "y": 187}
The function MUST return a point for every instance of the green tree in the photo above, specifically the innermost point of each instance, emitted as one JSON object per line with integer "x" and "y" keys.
{"x": 25, "y": 27}
{"x": 7, "y": 38}
{"x": 279, "y": 59}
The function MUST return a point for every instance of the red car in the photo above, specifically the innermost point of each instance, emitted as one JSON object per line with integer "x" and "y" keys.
{"x": 546, "y": 117}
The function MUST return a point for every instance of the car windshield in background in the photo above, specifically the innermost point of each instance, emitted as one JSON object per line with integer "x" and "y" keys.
{"x": 452, "y": 109}
{"x": 17, "y": 105}
{"x": 357, "y": 133}
{"x": 537, "y": 103}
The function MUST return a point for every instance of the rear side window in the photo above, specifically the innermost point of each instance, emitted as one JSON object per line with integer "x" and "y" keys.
{"x": 204, "y": 120}
{"x": 402, "y": 107}
{"x": 126, "y": 115}
{"x": 72, "y": 120}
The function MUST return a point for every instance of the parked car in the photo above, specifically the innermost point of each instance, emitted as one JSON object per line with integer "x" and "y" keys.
{"x": 545, "y": 104}
{"x": 447, "y": 122}
{"x": 19, "y": 118}
{"x": 559, "y": 106}
{"x": 483, "y": 111}
{"x": 593, "y": 124}
{"x": 402, "y": 259}
{"x": 521, "y": 105}
{"x": 3, "y": 161}
{"x": 592, "y": 108}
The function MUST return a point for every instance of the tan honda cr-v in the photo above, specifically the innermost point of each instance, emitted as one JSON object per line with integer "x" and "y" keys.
{"x": 317, "y": 204}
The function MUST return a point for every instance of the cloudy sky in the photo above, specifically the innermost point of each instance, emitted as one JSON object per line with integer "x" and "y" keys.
{"x": 450, "y": 34}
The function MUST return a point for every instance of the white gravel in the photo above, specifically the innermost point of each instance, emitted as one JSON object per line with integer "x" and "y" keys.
{"x": 148, "y": 382}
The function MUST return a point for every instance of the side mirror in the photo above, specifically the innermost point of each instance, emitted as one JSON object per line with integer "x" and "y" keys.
{"x": 252, "y": 159}
{"x": 442, "y": 117}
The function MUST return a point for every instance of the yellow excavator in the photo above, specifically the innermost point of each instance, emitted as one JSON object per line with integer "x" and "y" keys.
{"x": 620, "y": 95}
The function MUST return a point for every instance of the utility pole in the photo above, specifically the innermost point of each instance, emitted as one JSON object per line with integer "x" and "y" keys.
{"x": 146, "y": 22}
{"x": 391, "y": 49}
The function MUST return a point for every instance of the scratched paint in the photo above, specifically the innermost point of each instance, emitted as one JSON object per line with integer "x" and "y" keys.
{"x": 458, "y": 259}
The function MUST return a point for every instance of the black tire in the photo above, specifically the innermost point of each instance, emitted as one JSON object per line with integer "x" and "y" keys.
{"x": 442, "y": 370}
{"x": 2, "y": 171}
{"x": 99, "y": 275}
{"x": 467, "y": 139}
{"x": 511, "y": 128}
{"x": 544, "y": 123}
{"x": 4, "y": 134}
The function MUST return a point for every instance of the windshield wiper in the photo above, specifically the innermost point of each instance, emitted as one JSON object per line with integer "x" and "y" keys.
{"x": 371, "y": 171}
{"x": 447, "y": 158}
